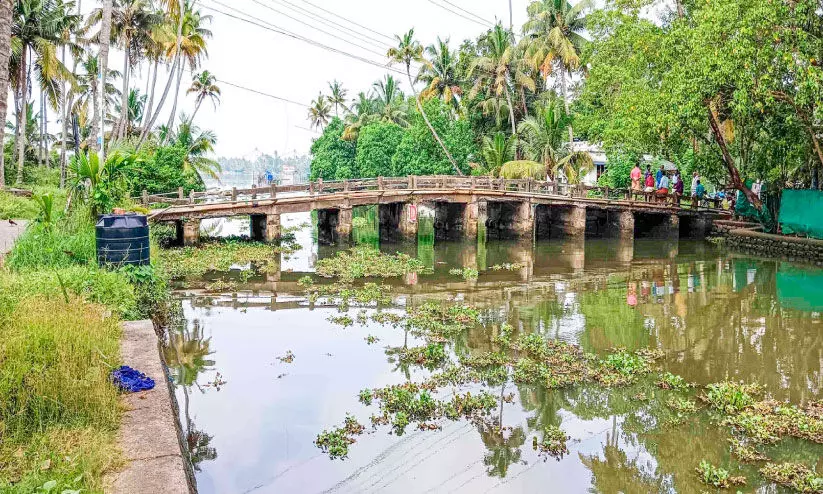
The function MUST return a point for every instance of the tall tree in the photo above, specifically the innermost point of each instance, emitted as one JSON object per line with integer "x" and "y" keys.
{"x": 104, "y": 39}
{"x": 554, "y": 38}
{"x": 6, "y": 16}
{"x": 440, "y": 73}
{"x": 337, "y": 97}
{"x": 409, "y": 50}
{"x": 204, "y": 86}
{"x": 192, "y": 47}
{"x": 319, "y": 112}
{"x": 37, "y": 29}
{"x": 499, "y": 70}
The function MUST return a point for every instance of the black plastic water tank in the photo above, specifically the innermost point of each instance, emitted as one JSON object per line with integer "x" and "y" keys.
{"x": 123, "y": 239}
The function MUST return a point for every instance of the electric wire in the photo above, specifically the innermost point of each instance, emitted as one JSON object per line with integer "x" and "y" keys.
{"x": 468, "y": 12}
{"x": 458, "y": 14}
{"x": 278, "y": 30}
{"x": 329, "y": 22}
{"x": 390, "y": 38}
{"x": 364, "y": 48}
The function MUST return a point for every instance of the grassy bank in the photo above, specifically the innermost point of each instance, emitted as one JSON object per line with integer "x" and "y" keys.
{"x": 60, "y": 321}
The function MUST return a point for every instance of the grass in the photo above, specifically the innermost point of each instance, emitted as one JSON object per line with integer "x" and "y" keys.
{"x": 58, "y": 412}
{"x": 25, "y": 208}
{"x": 70, "y": 242}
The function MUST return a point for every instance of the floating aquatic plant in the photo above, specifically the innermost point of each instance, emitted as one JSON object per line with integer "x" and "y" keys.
{"x": 794, "y": 475}
{"x": 718, "y": 477}
{"x": 336, "y": 441}
{"x": 553, "y": 443}
{"x": 731, "y": 397}
{"x": 287, "y": 358}
{"x": 367, "y": 262}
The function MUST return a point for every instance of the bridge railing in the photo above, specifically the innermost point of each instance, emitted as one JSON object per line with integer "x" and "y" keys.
{"x": 431, "y": 182}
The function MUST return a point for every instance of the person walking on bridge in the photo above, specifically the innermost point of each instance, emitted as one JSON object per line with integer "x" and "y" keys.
{"x": 636, "y": 175}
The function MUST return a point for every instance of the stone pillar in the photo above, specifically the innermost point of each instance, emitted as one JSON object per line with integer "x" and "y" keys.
{"x": 191, "y": 232}
{"x": 408, "y": 221}
{"x": 470, "y": 218}
{"x": 674, "y": 226}
{"x": 482, "y": 218}
{"x": 575, "y": 222}
{"x": 624, "y": 250}
{"x": 625, "y": 224}
{"x": 344, "y": 224}
{"x": 258, "y": 227}
{"x": 524, "y": 220}
{"x": 272, "y": 227}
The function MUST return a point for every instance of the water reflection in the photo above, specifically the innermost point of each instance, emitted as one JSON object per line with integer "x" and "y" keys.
{"x": 716, "y": 316}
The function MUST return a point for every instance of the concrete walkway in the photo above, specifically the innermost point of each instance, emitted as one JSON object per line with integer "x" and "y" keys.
{"x": 8, "y": 234}
{"x": 148, "y": 432}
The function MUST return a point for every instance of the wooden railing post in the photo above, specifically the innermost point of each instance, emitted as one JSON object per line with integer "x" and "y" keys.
{"x": 180, "y": 193}
{"x": 379, "y": 183}
{"x": 253, "y": 192}
{"x": 145, "y": 197}
{"x": 606, "y": 193}
{"x": 474, "y": 182}
{"x": 273, "y": 192}
{"x": 320, "y": 185}
{"x": 345, "y": 185}
{"x": 413, "y": 181}
{"x": 234, "y": 194}
{"x": 191, "y": 197}
{"x": 311, "y": 188}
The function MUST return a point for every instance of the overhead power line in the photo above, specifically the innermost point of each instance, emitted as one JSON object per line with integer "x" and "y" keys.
{"x": 481, "y": 18}
{"x": 255, "y": 21}
{"x": 368, "y": 49}
{"x": 334, "y": 25}
{"x": 458, "y": 14}
{"x": 390, "y": 38}
{"x": 255, "y": 91}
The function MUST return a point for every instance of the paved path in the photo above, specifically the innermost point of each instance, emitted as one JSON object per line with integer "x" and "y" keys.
{"x": 148, "y": 432}
{"x": 8, "y": 234}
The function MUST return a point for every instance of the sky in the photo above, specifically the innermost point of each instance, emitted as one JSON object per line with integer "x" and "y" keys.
{"x": 247, "y": 55}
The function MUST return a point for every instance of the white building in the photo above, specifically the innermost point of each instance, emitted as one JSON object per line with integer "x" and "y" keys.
{"x": 601, "y": 161}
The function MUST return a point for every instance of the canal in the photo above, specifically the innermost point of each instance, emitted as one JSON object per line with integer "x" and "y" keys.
{"x": 260, "y": 368}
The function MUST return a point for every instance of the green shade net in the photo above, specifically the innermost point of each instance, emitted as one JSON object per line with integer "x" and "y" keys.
{"x": 800, "y": 289}
{"x": 765, "y": 216}
{"x": 801, "y": 212}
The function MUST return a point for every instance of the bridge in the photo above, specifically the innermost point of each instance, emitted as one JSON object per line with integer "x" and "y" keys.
{"x": 457, "y": 206}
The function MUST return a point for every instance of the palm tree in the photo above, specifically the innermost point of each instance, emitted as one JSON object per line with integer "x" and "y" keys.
{"x": 389, "y": 101}
{"x": 542, "y": 141}
{"x": 409, "y": 50}
{"x": 337, "y": 97}
{"x": 499, "y": 69}
{"x": 37, "y": 28}
{"x": 32, "y": 131}
{"x": 131, "y": 27}
{"x": 192, "y": 47}
{"x": 204, "y": 86}
{"x": 6, "y": 15}
{"x": 363, "y": 110}
{"x": 319, "y": 112}
{"x": 84, "y": 94}
{"x": 199, "y": 144}
{"x": 554, "y": 37}
{"x": 104, "y": 38}
{"x": 136, "y": 104}
{"x": 498, "y": 151}
{"x": 440, "y": 74}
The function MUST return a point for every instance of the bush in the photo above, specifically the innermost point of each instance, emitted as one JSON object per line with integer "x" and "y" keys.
{"x": 161, "y": 171}
{"x": 70, "y": 242}
{"x": 376, "y": 146}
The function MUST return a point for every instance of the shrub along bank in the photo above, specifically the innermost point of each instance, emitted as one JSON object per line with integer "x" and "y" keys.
{"x": 60, "y": 319}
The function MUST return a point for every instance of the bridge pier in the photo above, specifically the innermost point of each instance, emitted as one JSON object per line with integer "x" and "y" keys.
{"x": 344, "y": 224}
{"x": 622, "y": 223}
{"x": 657, "y": 225}
{"x": 188, "y": 232}
{"x": 265, "y": 227}
{"x": 471, "y": 217}
{"x": 408, "y": 221}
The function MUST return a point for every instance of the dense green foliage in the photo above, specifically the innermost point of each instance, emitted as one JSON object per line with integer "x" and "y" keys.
{"x": 376, "y": 146}
{"x": 333, "y": 157}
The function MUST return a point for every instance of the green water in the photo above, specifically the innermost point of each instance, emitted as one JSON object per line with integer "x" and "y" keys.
{"x": 715, "y": 315}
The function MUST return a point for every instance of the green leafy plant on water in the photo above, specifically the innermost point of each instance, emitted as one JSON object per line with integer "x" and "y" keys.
{"x": 672, "y": 381}
{"x": 430, "y": 356}
{"x": 344, "y": 321}
{"x": 745, "y": 452}
{"x": 336, "y": 441}
{"x": 795, "y": 476}
{"x": 731, "y": 397}
{"x": 371, "y": 339}
{"x": 553, "y": 442}
{"x": 367, "y": 262}
{"x": 468, "y": 274}
{"x": 718, "y": 477}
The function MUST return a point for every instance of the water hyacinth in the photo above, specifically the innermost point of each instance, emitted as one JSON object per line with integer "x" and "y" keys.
{"x": 367, "y": 262}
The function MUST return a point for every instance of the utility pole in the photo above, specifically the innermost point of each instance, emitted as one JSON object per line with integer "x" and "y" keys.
{"x": 511, "y": 17}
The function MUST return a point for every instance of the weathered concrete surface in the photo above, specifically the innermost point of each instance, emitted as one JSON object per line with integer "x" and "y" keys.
{"x": 148, "y": 433}
{"x": 8, "y": 234}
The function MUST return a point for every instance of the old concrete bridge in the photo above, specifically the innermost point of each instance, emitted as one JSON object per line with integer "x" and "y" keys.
{"x": 458, "y": 206}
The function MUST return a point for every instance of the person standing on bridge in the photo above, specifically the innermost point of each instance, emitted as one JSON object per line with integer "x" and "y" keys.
{"x": 659, "y": 176}
{"x": 636, "y": 175}
{"x": 678, "y": 187}
{"x": 663, "y": 187}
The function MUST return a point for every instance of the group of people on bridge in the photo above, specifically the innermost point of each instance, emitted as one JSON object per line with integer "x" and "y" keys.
{"x": 661, "y": 187}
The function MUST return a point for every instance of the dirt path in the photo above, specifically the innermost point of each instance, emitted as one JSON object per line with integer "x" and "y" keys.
{"x": 8, "y": 234}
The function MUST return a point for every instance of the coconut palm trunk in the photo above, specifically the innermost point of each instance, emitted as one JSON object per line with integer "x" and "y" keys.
{"x": 122, "y": 123}
{"x": 105, "y": 40}
{"x": 428, "y": 124}
{"x": 5, "y": 53}
{"x": 150, "y": 90}
{"x": 564, "y": 92}
{"x": 511, "y": 111}
{"x": 176, "y": 95}
{"x": 21, "y": 116}
{"x": 177, "y": 61}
